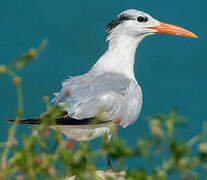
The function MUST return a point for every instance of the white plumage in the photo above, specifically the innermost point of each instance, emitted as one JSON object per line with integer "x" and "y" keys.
{"x": 111, "y": 83}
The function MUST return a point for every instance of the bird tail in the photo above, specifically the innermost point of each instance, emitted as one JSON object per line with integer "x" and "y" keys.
{"x": 63, "y": 120}
{"x": 26, "y": 121}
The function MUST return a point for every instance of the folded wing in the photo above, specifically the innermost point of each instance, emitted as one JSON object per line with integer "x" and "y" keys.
{"x": 84, "y": 96}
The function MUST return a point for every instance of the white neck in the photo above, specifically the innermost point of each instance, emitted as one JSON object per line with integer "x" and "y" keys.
{"x": 120, "y": 56}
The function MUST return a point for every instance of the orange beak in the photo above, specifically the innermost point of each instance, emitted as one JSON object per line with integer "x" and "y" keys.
{"x": 172, "y": 29}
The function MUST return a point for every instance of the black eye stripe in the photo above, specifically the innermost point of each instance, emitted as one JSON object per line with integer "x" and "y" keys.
{"x": 118, "y": 20}
{"x": 142, "y": 19}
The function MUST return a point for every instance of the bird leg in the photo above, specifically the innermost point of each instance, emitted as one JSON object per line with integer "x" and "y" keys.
{"x": 109, "y": 165}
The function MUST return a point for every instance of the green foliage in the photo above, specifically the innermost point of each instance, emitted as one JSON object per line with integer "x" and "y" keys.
{"x": 33, "y": 157}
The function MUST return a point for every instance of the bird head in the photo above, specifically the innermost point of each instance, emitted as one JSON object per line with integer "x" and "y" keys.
{"x": 136, "y": 23}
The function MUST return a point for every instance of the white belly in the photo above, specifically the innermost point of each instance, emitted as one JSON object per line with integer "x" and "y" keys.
{"x": 84, "y": 132}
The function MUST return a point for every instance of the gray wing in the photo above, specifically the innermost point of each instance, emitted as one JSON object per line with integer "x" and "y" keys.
{"x": 84, "y": 95}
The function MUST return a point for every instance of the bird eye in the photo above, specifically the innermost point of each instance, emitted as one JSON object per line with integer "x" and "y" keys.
{"x": 142, "y": 19}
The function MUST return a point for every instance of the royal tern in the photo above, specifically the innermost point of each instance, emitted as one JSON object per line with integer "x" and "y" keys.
{"x": 110, "y": 84}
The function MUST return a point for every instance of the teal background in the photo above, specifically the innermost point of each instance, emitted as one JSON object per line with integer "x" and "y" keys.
{"x": 171, "y": 70}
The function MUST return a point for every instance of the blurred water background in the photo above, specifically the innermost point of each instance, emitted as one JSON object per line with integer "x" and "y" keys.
{"x": 171, "y": 70}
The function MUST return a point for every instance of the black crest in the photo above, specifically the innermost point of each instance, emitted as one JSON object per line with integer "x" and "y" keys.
{"x": 118, "y": 20}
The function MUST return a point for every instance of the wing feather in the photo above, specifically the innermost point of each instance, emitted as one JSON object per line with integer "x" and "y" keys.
{"x": 112, "y": 92}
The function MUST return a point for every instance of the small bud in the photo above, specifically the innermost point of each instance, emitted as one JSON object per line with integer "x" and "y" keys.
{"x": 161, "y": 173}
{"x": 3, "y": 69}
{"x": 15, "y": 141}
{"x": 43, "y": 114}
{"x": 196, "y": 161}
{"x": 31, "y": 172}
{"x": 154, "y": 122}
{"x": 20, "y": 177}
{"x": 20, "y": 112}
{"x": 46, "y": 99}
{"x": 185, "y": 177}
{"x": 38, "y": 160}
{"x": 118, "y": 121}
{"x": 203, "y": 147}
{"x": 170, "y": 125}
{"x": 157, "y": 131}
{"x": 52, "y": 172}
{"x": 183, "y": 162}
{"x": 70, "y": 145}
{"x": 33, "y": 53}
{"x": 17, "y": 80}
{"x": 46, "y": 131}
{"x": 35, "y": 132}
{"x": 67, "y": 93}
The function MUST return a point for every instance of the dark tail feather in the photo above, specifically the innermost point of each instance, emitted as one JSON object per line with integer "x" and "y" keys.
{"x": 26, "y": 121}
{"x": 64, "y": 120}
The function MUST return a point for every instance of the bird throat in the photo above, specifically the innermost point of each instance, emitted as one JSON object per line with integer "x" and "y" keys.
{"x": 120, "y": 55}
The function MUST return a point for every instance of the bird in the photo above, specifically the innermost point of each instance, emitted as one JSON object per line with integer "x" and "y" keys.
{"x": 110, "y": 86}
